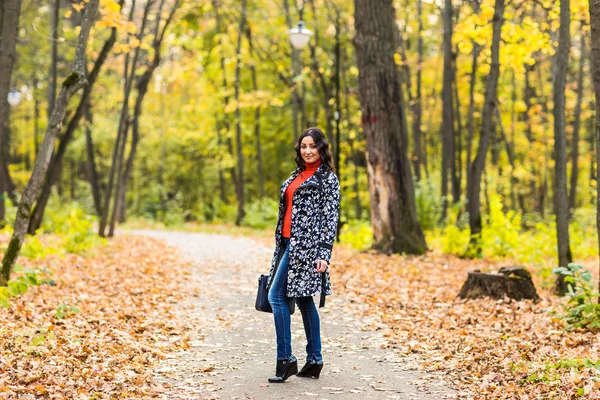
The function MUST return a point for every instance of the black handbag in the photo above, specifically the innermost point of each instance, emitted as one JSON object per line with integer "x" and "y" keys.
{"x": 262, "y": 297}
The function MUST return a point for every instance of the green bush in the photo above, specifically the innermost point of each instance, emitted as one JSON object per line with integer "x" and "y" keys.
{"x": 74, "y": 227}
{"x": 261, "y": 214}
{"x": 429, "y": 204}
{"x": 358, "y": 234}
{"x": 582, "y": 309}
{"x": 21, "y": 284}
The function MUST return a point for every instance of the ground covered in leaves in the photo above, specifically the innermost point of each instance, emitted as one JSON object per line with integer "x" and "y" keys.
{"x": 107, "y": 320}
{"x": 95, "y": 331}
{"x": 499, "y": 349}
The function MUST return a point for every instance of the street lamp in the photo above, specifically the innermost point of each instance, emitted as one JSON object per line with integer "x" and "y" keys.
{"x": 299, "y": 36}
{"x": 14, "y": 97}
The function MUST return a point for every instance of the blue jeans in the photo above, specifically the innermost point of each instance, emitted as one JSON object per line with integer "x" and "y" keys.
{"x": 281, "y": 314}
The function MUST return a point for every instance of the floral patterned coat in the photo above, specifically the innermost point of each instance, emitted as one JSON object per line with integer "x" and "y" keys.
{"x": 315, "y": 216}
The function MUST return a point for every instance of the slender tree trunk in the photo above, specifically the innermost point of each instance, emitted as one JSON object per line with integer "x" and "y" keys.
{"x": 417, "y": 107}
{"x": 471, "y": 116}
{"x": 448, "y": 150}
{"x": 561, "y": 203}
{"x": 595, "y": 57}
{"x": 225, "y": 123}
{"x": 222, "y": 186}
{"x": 478, "y": 165}
{"x": 259, "y": 161}
{"x": 238, "y": 119}
{"x": 91, "y": 162}
{"x": 577, "y": 122}
{"x": 75, "y": 81}
{"x": 122, "y": 128}
{"x": 393, "y": 209}
{"x": 141, "y": 87}
{"x": 53, "y": 172}
{"x": 457, "y": 165}
{"x": 54, "y": 55}
{"x": 9, "y": 29}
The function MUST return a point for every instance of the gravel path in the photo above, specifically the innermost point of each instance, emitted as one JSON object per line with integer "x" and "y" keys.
{"x": 232, "y": 352}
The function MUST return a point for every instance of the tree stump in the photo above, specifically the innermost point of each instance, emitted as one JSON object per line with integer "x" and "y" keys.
{"x": 513, "y": 282}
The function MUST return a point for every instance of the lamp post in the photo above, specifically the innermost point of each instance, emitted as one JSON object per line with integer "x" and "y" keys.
{"x": 299, "y": 37}
{"x": 14, "y": 97}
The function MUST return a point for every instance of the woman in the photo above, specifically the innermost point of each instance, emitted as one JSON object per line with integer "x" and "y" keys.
{"x": 306, "y": 228}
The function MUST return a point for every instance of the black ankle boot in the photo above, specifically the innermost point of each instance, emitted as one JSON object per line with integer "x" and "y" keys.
{"x": 310, "y": 370}
{"x": 285, "y": 369}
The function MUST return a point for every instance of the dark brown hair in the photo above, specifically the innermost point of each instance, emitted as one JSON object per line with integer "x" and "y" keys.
{"x": 322, "y": 145}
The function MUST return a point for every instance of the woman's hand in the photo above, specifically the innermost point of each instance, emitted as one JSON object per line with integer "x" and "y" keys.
{"x": 321, "y": 265}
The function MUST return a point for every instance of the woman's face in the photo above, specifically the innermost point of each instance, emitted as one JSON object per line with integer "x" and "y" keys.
{"x": 309, "y": 151}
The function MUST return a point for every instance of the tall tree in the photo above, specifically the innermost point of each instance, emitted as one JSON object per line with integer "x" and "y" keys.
{"x": 393, "y": 209}
{"x": 54, "y": 171}
{"x": 417, "y": 106}
{"x": 141, "y": 87}
{"x": 224, "y": 123}
{"x": 448, "y": 151}
{"x": 259, "y": 157}
{"x": 594, "y": 8}
{"x": 577, "y": 122}
{"x": 478, "y": 165}
{"x": 238, "y": 118}
{"x": 561, "y": 203}
{"x": 55, "y": 21}
{"x": 9, "y": 32}
{"x": 75, "y": 81}
{"x": 124, "y": 125}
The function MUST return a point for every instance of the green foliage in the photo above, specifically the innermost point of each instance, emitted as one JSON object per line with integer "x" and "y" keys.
{"x": 262, "y": 214}
{"x": 575, "y": 364}
{"x": 504, "y": 238}
{"x": 429, "y": 204}
{"x": 358, "y": 234}
{"x": 65, "y": 310}
{"x": 582, "y": 309}
{"x": 22, "y": 283}
{"x": 74, "y": 227}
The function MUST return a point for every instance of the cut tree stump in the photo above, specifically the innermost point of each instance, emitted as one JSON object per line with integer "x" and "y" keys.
{"x": 513, "y": 282}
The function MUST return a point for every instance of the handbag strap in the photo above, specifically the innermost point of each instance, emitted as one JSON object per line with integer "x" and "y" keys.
{"x": 322, "y": 301}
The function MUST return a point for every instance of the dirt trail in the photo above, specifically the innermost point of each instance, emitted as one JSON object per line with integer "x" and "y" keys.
{"x": 232, "y": 352}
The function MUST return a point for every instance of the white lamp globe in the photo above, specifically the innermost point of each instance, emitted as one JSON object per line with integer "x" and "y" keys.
{"x": 299, "y": 35}
{"x": 14, "y": 97}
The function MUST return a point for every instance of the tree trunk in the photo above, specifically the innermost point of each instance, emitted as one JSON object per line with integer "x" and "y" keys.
{"x": 141, "y": 87}
{"x": 91, "y": 162}
{"x": 54, "y": 55}
{"x": 393, "y": 209}
{"x": 478, "y": 165}
{"x": 513, "y": 282}
{"x": 225, "y": 123}
{"x": 124, "y": 125}
{"x": 11, "y": 10}
{"x": 54, "y": 169}
{"x": 471, "y": 118}
{"x": 457, "y": 165}
{"x": 561, "y": 204}
{"x": 417, "y": 107}
{"x": 75, "y": 81}
{"x": 259, "y": 161}
{"x": 447, "y": 109}
{"x": 238, "y": 119}
{"x": 529, "y": 93}
{"x": 577, "y": 123}
{"x": 595, "y": 57}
